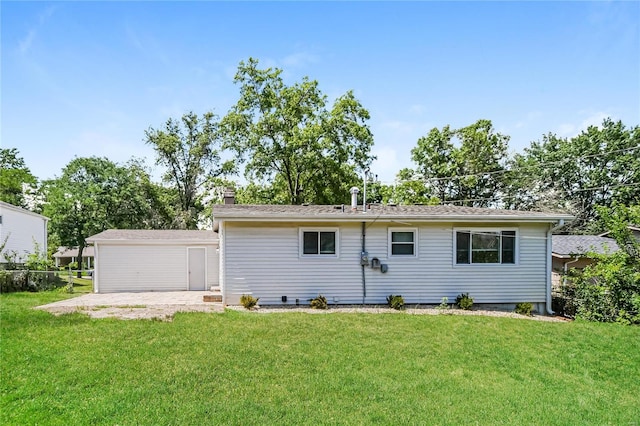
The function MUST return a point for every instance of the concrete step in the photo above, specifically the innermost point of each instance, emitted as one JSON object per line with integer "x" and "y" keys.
{"x": 215, "y": 296}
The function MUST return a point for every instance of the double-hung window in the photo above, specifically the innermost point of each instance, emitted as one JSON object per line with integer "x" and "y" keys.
{"x": 319, "y": 242}
{"x": 485, "y": 246}
{"x": 402, "y": 241}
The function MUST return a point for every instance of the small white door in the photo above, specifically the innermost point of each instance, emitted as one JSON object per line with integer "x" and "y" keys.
{"x": 197, "y": 269}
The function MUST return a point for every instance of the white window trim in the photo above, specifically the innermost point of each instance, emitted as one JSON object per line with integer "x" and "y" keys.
{"x": 301, "y": 232}
{"x": 415, "y": 243}
{"x": 484, "y": 265}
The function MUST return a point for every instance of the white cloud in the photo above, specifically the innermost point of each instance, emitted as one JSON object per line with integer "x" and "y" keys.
{"x": 387, "y": 164}
{"x": 527, "y": 120}
{"x": 24, "y": 45}
{"x": 417, "y": 109}
{"x": 399, "y": 126}
{"x": 147, "y": 45}
{"x": 570, "y": 130}
{"x": 300, "y": 59}
{"x": 103, "y": 144}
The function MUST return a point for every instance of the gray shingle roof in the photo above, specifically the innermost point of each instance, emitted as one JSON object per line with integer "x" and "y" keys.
{"x": 417, "y": 212}
{"x": 567, "y": 245}
{"x": 154, "y": 234}
{"x": 73, "y": 252}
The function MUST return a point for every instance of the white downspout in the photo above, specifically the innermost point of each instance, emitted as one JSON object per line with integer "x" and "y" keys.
{"x": 549, "y": 261}
{"x": 221, "y": 262}
{"x": 566, "y": 270}
{"x": 96, "y": 271}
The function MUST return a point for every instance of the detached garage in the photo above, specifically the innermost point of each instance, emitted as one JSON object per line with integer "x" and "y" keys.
{"x": 154, "y": 260}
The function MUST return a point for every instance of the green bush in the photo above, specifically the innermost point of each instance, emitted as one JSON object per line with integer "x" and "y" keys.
{"x": 524, "y": 308}
{"x": 444, "y": 304}
{"x": 463, "y": 301}
{"x": 319, "y": 302}
{"x": 609, "y": 290}
{"x": 395, "y": 301}
{"x": 24, "y": 280}
{"x": 248, "y": 301}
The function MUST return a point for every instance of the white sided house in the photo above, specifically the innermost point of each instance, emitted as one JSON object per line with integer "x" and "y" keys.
{"x": 154, "y": 260}
{"x": 290, "y": 254}
{"x": 22, "y": 230}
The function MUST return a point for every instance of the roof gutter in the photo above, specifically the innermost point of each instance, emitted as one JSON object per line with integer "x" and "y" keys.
{"x": 549, "y": 262}
{"x": 377, "y": 218}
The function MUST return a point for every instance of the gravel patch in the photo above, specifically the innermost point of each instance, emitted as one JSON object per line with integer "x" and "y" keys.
{"x": 153, "y": 312}
{"x": 413, "y": 310}
{"x": 166, "y": 312}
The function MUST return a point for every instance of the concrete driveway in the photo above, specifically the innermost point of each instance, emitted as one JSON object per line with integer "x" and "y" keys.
{"x": 159, "y": 305}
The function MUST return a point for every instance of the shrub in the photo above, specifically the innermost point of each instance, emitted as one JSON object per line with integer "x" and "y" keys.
{"x": 319, "y": 302}
{"x": 444, "y": 304}
{"x": 463, "y": 301}
{"x": 395, "y": 301}
{"x": 24, "y": 280}
{"x": 608, "y": 290}
{"x": 248, "y": 301}
{"x": 524, "y": 308}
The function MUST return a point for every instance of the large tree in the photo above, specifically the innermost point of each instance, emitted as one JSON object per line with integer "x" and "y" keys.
{"x": 292, "y": 142}
{"x": 15, "y": 178}
{"x": 189, "y": 149}
{"x": 94, "y": 194}
{"x": 464, "y": 166}
{"x": 598, "y": 167}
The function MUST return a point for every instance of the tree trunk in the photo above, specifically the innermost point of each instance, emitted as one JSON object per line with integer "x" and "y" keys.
{"x": 80, "y": 250}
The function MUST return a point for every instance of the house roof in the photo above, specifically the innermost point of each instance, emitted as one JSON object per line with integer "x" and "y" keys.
{"x": 376, "y": 212}
{"x": 571, "y": 245}
{"x": 153, "y": 235}
{"x": 64, "y": 252}
{"x": 633, "y": 228}
{"x": 4, "y": 205}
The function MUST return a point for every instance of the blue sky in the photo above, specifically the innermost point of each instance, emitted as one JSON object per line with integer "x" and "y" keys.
{"x": 88, "y": 78}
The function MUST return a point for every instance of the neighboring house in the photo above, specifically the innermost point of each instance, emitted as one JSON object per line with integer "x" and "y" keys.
{"x": 635, "y": 230}
{"x": 572, "y": 251}
{"x": 66, "y": 255}
{"x": 157, "y": 260}
{"x": 22, "y": 230}
{"x": 286, "y": 254}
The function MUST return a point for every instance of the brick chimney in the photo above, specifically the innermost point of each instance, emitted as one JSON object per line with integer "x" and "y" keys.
{"x": 229, "y": 197}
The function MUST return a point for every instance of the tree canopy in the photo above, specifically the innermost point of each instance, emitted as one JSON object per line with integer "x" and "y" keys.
{"x": 468, "y": 172}
{"x": 598, "y": 167}
{"x": 189, "y": 149}
{"x": 15, "y": 178}
{"x": 94, "y": 194}
{"x": 292, "y": 141}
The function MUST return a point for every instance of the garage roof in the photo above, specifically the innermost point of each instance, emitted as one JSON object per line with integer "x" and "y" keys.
{"x": 573, "y": 245}
{"x": 153, "y": 235}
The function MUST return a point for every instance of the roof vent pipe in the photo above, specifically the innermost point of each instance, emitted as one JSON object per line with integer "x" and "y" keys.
{"x": 354, "y": 198}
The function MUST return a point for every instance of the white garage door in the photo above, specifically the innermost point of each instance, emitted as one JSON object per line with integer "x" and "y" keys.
{"x": 142, "y": 268}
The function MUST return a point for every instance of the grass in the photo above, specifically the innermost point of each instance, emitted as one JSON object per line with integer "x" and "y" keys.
{"x": 292, "y": 368}
{"x": 80, "y": 285}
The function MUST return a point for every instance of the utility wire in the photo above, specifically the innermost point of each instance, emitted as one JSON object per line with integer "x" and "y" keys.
{"x": 496, "y": 172}
{"x": 595, "y": 188}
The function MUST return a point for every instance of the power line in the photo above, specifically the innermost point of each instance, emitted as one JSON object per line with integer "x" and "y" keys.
{"x": 595, "y": 188}
{"x": 496, "y": 172}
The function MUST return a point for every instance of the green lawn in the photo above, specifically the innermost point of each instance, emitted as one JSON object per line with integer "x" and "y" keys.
{"x": 80, "y": 285}
{"x": 243, "y": 368}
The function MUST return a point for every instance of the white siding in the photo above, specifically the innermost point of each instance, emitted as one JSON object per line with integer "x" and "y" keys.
{"x": 22, "y": 228}
{"x": 157, "y": 267}
{"x": 264, "y": 261}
